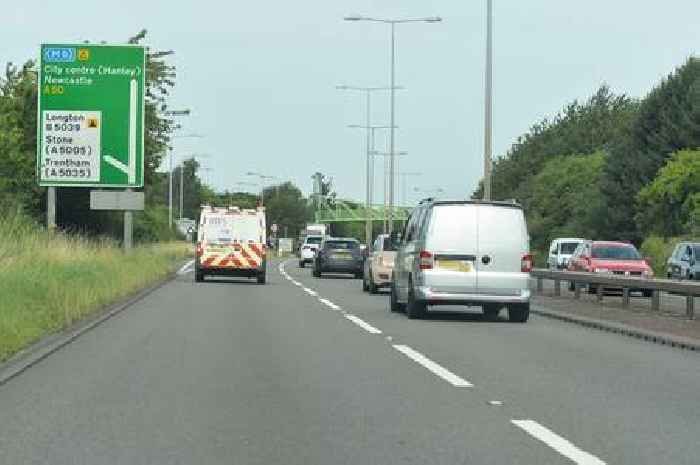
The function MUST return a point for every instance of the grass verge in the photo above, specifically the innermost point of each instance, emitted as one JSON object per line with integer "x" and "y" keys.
{"x": 47, "y": 282}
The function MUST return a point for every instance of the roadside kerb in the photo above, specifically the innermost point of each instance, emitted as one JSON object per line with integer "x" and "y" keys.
{"x": 689, "y": 289}
{"x": 43, "y": 348}
{"x": 619, "y": 328}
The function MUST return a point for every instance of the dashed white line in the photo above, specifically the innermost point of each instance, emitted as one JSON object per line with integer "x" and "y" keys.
{"x": 310, "y": 292}
{"x": 328, "y": 303}
{"x": 558, "y": 443}
{"x": 186, "y": 268}
{"x": 437, "y": 369}
{"x": 363, "y": 324}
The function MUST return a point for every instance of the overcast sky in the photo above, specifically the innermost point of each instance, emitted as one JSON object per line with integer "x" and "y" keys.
{"x": 260, "y": 75}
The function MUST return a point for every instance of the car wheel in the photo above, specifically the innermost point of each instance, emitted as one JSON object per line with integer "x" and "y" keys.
{"x": 647, "y": 292}
{"x": 358, "y": 275}
{"x": 518, "y": 313}
{"x": 198, "y": 276}
{"x": 262, "y": 278}
{"x": 415, "y": 309}
{"x": 592, "y": 289}
{"x": 302, "y": 264}
{"x": 372, "y": 286}
{"x": 365, "y": 287}
{"x": 491, "y": 311}
{"x": 316, "y": 273}
{"x": 394, "y": 304}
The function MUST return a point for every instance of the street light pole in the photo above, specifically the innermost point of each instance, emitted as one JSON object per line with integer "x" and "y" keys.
{"x": 393, "y": 23}
{"x": 488, "y": 115}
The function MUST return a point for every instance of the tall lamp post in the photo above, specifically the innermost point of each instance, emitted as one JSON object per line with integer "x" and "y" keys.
{"x": 393, "y": 23}
{"x": 488, "y": 107}
{"x": 170, "y": 173}
{"x": 387, "y": 175}
{"x": 263, "y": 179}
{"x": 370, "y": 174}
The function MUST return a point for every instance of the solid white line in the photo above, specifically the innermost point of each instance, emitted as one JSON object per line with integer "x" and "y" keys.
{"x": 185, "y": 268}
{"x": 310, "y": 291}
{"x": 440, "y": 371}
{"x": 329, "y": 304}
{"x": 363, "y": 324}
{"x": 558, "y": 443}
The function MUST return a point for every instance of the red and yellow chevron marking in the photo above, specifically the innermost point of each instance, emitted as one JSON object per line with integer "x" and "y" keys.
{"x": 237, "y": 255}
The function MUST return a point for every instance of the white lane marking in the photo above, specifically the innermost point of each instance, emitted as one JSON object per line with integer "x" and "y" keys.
{"x": 438, "y": 370}
{"x": 186, "y": 268}
{"x": 310, "y": 291}
{"x": 297, "y": 283}
{"x": 363, "y": 324}
{"x": 558, "y": 443}
{"x": 328, "y": 303}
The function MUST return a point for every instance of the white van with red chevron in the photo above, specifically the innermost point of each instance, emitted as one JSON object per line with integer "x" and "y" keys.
{"x": 231, "y": 242}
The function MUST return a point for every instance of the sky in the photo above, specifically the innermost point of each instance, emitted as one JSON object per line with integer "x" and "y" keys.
{"x": 260, "y": 76}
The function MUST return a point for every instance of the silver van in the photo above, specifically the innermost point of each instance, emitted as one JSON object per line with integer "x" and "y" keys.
{"x": 464, "y": 253}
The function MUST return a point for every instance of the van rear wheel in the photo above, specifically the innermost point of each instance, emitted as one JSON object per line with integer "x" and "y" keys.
{"x": 518, "y": 313}
{"x": 491, "y": 311}
{"x": 415, "y": 309}
{"x": 394, "y": 304}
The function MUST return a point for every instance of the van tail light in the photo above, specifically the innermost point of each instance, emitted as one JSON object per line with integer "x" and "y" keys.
{"x": 199, "y": 249}
{"x": 526, "y": 263}
{"x": 425, "y": 260}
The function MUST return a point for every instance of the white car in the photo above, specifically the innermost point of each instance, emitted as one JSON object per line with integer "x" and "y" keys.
{"x": 309, "y": 249}
{"x": 561, "y": 250}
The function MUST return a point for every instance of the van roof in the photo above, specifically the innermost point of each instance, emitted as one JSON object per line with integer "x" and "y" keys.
{"x": 494, "y": 203}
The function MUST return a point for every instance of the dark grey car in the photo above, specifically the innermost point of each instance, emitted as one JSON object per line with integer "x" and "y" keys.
{"x": 339, "y": 255}
{"x": 684, "y": 262}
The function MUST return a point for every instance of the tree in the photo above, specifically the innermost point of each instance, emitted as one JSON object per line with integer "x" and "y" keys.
{"x": 668, "y": 120}
{"x": 577, "y": 129}
{"x": 286, "y": 206}
{"x": 566, "y": 199}
{"x": 670, "y": 205}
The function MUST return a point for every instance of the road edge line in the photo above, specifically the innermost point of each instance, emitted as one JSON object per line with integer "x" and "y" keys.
{"x": 619, "y": 328}
{"x": 51, "y": 343}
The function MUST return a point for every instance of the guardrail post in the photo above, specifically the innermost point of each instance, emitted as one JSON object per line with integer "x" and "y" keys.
{"x": 577, "y": 290}
{"x": 557, "y": 287}
{"x": 690, "y": 307}
{"x": 539, "y": 285}
{"x": 625, "y": 297}
{"x": 655, "y": 300}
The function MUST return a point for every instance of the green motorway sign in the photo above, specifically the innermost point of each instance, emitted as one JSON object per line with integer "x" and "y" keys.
{"x": 90, "y": 115}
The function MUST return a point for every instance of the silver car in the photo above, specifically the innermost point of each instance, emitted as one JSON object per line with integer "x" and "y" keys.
{"x": 463, "y": 253}
{"x": 684, "y": 262}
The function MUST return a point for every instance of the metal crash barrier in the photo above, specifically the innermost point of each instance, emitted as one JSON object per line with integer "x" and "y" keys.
{"x": 578, "y": 280}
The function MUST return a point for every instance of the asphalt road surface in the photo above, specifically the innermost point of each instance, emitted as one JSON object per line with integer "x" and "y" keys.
{"x": 313, "y": 371}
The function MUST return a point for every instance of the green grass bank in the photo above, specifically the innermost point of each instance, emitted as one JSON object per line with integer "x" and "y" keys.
{"x": 48, "y": 281}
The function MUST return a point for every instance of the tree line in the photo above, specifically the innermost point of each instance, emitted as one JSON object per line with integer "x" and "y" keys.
{"x": 613, "y": 167}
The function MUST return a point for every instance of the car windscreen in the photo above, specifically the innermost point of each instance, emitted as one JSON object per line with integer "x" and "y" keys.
{"x": 389, "y": 245}
{"x": 696, "y": 251}
{"x": 612, "y": 252}
{"x": 568, "y": 248}
{"x": 314, "y": 240}
{"x": 349, "y": 245}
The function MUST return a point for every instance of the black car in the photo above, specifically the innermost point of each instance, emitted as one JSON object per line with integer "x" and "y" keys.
{"x": 339, "y": 255}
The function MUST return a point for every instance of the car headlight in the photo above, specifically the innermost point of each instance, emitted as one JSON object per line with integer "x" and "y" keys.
{"x": 602, "y": 270}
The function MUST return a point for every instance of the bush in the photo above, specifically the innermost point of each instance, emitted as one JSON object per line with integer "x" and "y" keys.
{"x": 658, "y": 249}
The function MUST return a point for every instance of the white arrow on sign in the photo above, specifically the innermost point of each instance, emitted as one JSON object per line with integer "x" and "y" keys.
{"x": 130, "y": 168}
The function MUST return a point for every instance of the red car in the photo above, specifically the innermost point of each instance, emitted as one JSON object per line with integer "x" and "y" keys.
{"x": 619, "y": 258}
